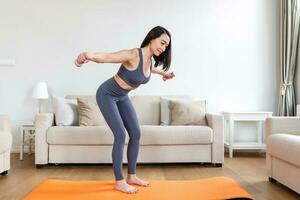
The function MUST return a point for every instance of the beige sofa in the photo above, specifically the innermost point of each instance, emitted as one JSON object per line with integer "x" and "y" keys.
{"x": 159, "y": 143}
{"x": 5, "y": 144}
{"x": 283, "y": 151}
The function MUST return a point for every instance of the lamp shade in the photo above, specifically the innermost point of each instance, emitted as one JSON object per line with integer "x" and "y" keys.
{"x": 40, "y": 91}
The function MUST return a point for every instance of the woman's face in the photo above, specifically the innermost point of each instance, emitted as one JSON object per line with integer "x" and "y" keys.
{"x": 159, "y": 45}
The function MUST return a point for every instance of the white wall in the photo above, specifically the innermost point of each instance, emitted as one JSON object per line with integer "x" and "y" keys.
{"x": 225, "y": 51}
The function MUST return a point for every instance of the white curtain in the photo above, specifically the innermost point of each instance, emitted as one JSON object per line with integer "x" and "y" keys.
{"x": 289, "y": 34}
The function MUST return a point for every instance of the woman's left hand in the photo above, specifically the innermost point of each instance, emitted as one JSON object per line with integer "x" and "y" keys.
{"x": 168, "y": 76}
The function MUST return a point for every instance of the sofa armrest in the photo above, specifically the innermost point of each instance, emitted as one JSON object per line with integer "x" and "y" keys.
{"x": 5, "y": 123}
{"x": 216, "y": 122}
{"x": 289, "y": 125}
{"x": 42, "y": 122}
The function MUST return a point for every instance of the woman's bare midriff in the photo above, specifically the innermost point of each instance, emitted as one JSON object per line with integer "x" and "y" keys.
{"x": 122, "y": 83}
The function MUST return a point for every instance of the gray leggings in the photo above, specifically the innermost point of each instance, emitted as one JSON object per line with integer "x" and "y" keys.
{"x": 119, "y": 114}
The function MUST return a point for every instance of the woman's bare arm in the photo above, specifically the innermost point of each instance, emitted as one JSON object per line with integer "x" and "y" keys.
{"x": 115, "y": 57}
{"x": 122, "y": 56}
{"x": 158, "y": 71}
{"x": 165, "y": 75}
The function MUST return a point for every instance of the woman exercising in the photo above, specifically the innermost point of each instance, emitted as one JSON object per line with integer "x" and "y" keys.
{"x": 114, "y": 103}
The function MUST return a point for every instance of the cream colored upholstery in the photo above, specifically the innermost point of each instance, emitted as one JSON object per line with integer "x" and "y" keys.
{"x": 152, "y": 134}
{"x": 5, "y": 144}
{"x": 283, "y": 150}
{"x": 159, "y": 144}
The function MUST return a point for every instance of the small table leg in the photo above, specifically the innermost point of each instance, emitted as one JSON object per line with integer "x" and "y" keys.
{"x": 230, "y": 152}
{"x": 22, "y": 144}
{"x": 260, "y": 132}
{"x": 30, "y": 143}
{"x": 231, "y": 138}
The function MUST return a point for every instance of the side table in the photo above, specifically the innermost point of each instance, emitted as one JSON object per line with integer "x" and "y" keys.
{"x": 232, "y": 117}
{"x": 27, "y": 137}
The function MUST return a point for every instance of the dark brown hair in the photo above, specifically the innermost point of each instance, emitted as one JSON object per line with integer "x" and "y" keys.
{"x": 165, "y": 57}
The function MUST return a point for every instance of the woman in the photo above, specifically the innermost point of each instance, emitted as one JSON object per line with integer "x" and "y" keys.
{"x": 114, "y": 103}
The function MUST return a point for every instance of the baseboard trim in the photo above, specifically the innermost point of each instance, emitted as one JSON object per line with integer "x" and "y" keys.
{"x": 16, "y": 149}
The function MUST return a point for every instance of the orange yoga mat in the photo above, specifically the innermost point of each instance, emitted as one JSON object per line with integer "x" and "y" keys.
{"x": 210, "y": 188}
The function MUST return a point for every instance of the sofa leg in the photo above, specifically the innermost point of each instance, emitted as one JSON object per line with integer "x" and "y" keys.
{"x": 39, "y": 166}
{"x": 218, "y": 164}
{"x": 4, "y": 173}
{"x": 272, "y": 180}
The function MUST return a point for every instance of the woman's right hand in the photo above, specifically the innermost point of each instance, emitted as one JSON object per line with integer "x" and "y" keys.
{"x": 83, "y": 58}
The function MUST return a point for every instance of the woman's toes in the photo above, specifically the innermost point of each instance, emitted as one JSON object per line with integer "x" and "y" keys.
{"x": 138, "y": 181}
{"x": 124, "y": 187}
{"x": 146, "y": 184}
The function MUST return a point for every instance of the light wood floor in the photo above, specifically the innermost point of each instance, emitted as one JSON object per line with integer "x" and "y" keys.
{"x": 247, "y": 169}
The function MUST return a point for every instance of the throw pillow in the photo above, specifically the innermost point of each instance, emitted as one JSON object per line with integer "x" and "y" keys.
{"x": 89, "y": 113}
{"x": 188, "y": 112}
{"x": 65, "y": 111}
{"x": 165, "y": 115}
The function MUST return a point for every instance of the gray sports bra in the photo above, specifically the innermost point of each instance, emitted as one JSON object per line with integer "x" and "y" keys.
{"x": 135, "y": 77}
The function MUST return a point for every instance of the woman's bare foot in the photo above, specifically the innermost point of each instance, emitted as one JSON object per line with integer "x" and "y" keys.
{"x": 133, "y": 179}
{"x": 125, "y": 187}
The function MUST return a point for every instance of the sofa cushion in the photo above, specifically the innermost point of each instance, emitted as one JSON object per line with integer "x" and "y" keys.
{"x": 147, "y": 109}
{"x": 65, "y": 111}
{"x": 164, "y": 107}
{"x": 85, "y": 135}
{"x": 285, "y": 147}
{"x": 89, "y": 113}
{"x": 188, "y": 112}
{"x": 5, "y": 141}
{"x": 151, "y": 135}
{"x": 175, "y": 135}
